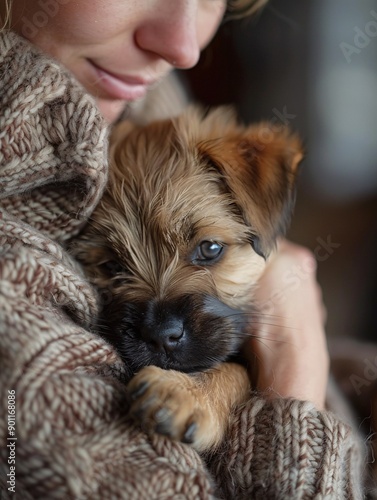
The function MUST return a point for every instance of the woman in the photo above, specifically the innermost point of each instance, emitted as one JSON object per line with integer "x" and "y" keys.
{"x": 73, "y": 436}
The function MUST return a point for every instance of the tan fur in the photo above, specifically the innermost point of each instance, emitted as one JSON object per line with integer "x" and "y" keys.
{"x": 204, "y": 400}
{"x": 173, "y": 185}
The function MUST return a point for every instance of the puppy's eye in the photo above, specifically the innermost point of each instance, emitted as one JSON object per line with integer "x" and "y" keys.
{"x": 208, "y": 251}
{"x": 112, "y": 267}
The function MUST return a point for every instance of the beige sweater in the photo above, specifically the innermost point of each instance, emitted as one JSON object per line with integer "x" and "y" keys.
{"x": 74, "y": 439}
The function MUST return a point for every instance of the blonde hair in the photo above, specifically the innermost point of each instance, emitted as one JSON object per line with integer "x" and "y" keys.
{"x": 237, "y": 9}
{"x": 5, "y": 23}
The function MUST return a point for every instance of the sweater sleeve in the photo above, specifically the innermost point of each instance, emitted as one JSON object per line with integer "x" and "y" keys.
{"x": 64, "y": 430}
{"x": 63, "y": 405}
{"x": 285, "y": 448}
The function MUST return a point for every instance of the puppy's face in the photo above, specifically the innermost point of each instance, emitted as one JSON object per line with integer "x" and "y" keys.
{"x": 192, "y": 209}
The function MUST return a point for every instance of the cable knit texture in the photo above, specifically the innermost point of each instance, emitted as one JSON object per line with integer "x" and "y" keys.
{"x": 74, "y": 439}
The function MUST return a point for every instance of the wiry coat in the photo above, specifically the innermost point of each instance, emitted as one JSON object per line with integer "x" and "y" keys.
{"x": 173, "y": 185}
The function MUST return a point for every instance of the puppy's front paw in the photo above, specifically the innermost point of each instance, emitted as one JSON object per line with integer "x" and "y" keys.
{"x": 169, "y": 402}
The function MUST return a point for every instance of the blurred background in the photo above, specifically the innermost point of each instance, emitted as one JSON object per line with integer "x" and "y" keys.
{"x": 313, "y": 65}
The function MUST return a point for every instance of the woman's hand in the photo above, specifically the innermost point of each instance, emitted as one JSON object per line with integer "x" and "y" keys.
{"x": 289, "y": 341}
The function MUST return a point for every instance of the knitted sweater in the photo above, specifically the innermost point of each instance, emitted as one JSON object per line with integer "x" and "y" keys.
{"x": 66, "y": 385}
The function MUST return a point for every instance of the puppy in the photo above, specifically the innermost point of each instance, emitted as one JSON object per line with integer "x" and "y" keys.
{"x": 192, "y": 210}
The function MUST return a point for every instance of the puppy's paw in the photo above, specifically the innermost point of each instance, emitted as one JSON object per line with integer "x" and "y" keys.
{"x": 170, "y": 403}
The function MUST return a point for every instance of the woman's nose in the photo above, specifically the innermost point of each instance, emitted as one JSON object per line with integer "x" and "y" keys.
{"x": 171, "y": 33}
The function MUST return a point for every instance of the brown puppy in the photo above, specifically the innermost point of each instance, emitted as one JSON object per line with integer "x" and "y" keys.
{"x": 192, "y": 210}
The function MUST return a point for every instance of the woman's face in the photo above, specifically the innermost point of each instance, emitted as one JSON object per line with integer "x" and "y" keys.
{"x": 119, "y": 48}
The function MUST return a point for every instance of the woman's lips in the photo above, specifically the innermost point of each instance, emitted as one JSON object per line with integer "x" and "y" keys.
{"x": 127, "y": 88}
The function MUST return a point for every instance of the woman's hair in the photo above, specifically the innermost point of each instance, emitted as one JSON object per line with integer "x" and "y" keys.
{"x": 5, "y": 20}
{"x": 243, "y": 8}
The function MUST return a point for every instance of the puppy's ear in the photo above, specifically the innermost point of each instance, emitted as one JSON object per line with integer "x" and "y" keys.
{"x": 258, "y": 165}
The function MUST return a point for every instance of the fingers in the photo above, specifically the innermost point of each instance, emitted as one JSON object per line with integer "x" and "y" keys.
{"x": 289, "y": 338}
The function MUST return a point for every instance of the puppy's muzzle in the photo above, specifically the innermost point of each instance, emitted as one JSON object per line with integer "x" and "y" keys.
{"x": 187, "y": 333}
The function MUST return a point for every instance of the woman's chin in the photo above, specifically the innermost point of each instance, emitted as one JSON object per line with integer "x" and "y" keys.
{"x": 111, "y": 109}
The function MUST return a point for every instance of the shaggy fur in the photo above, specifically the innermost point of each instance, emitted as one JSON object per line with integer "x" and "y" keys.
{"x": 192, "y": 210}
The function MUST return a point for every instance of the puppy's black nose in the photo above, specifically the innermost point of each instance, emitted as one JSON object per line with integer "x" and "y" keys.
{"x": 163, "y": 335}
